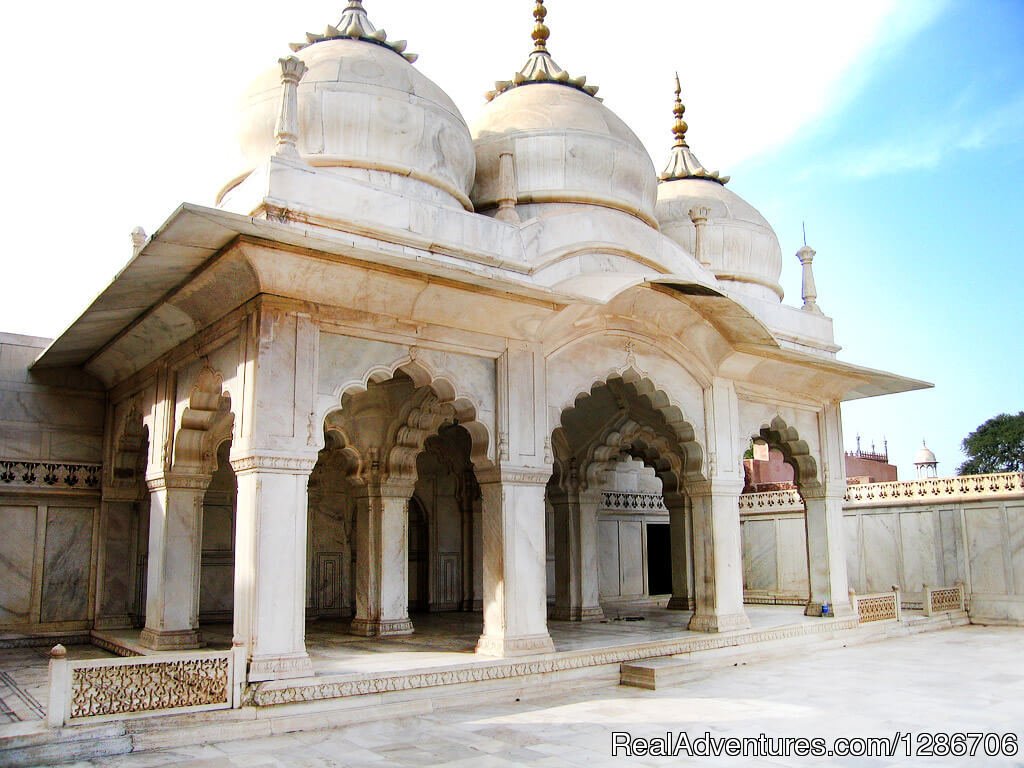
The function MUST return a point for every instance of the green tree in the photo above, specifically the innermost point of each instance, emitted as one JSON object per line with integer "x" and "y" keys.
{"x": 995, "y": 446}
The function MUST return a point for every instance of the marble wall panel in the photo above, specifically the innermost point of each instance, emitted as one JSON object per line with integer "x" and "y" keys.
{"x": 881, "y": 552}
{"x": 216, "y": 585}
{"x": 20, "y": 443}
{"x": 985, "y": 549}
{"x": 760, "y": 570}
{"x": 76, "y": 447}
{"x": 218, "y": 534}
{"x": 954, "y": 568}
{"x": 793, "y": 556}
{"x": 608, "y": 558}
{"x": 851, "y": 540}
{"x": 631, "y": 558}
{"x": 921, "y": 550}
{"x": 17, "y": 549}
{"x": 1015, "y": 522}
{"x": 66, "y": 564}
{"x": 345, "y": 359}
{"x": 117, "y": 546}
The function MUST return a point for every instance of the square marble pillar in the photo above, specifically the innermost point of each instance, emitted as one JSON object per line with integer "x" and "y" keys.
{"x": 175, "y": 552}
{"x": 270, "y": 565}
{"x": 515, "y": 589}
{"x": 577, "y": 585}
{"x": 718, "y": 558}
{"x": 680, "y": 535}
{"x": 826, "y": 555}
{"x": 382, "y": 561}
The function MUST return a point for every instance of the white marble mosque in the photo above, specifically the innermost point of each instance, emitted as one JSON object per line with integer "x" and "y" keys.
{"x": 409, "y": 367}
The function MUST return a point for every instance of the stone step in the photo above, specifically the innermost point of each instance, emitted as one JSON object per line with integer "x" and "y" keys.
{"x": 24, "y": 744}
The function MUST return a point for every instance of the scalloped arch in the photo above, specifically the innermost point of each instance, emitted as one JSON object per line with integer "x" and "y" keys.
{"x": 795, "y": 452}
{"x": 206, "y": 423}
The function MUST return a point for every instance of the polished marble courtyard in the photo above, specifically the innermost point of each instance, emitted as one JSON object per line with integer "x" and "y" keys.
{"x": 961, "y": 679}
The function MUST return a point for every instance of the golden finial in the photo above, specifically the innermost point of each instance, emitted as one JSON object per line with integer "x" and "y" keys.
{"x": 680, "y": 128}
{"x": 540, "y": 30}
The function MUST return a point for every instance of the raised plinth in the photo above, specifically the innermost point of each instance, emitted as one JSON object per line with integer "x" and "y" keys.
{"x": 173, "y": 640}
{"x": 381, "y": 628}
{"x": 728, "y": 622}
{"x": 839, "y": 610}
{"x": 680, "y": 603}
{"x": 280, "y": 668}
{"x": 593, "y": 613}
{"x": 503, "y": 647}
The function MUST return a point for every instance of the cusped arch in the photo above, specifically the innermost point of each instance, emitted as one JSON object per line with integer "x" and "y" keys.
{"x": 659, "y": 408}
{"x": 206, "y": 423}
{"x": 644, "y": 443}
{"x": 130, "y": 451}
{"x": 795, "y": 452}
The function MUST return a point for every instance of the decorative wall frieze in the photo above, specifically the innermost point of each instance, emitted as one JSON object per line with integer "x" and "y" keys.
{"x": 774, "y": 501}
{"x": 633, "y": 502}
{"x": 932, "y": 490}
{"x": 181, "y": 481}
{"x": 45, "y": 475}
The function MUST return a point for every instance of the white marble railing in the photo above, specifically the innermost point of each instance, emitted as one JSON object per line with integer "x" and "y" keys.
{"x": 943, "y": 599}
{"x": 97, "y": 689}
{"x": 772, "y": 501}
{"x": 881, "y": 606}
{"x": 966, "y": 487}
{"x": 633, "y": 502}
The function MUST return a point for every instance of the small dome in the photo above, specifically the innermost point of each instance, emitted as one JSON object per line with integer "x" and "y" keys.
{"x": 738, "y": 243}
{"x": 924, "y": 455}
{"x": 566, "y": 145}
{"x": 365, "y": 111}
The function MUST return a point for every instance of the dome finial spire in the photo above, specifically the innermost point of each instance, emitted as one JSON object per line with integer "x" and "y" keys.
{"x": 682, "y": 163}
{"x": 680, "y": 128}
{"x": 541, "y": 67}
{"x": 541, "y": 33}
{"x": 355, "y": 24}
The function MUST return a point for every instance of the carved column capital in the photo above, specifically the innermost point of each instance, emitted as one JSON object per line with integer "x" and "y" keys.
{"x": 273, "y": 463}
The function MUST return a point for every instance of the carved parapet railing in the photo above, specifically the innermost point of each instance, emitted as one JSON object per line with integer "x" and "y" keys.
{"x": 771, "y": 501}
{"x": 881, "y": 606}
{"x": 944, "y": 599}
{"x": 633, "y": 502}
{"x": 43, "y": 475}
{"x": 936, "y": 489}
{"x": 165, "y": 683}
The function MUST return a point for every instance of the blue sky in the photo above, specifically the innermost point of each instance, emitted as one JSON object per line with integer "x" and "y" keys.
{"x": 914, "y": 200}
{"x": 895, "y": 128}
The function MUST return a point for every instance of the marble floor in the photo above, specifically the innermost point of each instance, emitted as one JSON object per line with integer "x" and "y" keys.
{"x": 441, "y": 639}
{"x": 967, "y": 679}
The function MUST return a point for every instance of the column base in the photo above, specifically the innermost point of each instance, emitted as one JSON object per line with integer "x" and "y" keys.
{"x": 171, "y": 640}
{"x": 681, "y": 603}
{"x": 593, "y": 613}
{"x": 380, "y": 628}
{"x": 503, "y": 647}
{"x": 728, "y": 622}
{"x": 840, "y": 610}
{"x": 280, "y": 667}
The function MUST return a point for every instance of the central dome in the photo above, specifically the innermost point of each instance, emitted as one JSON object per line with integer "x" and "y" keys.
{"x": 365, "y": 111}
{"x": 566, "y": 146}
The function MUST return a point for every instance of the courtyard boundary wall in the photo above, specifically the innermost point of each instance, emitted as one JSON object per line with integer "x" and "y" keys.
{"x": 921, "y": 535}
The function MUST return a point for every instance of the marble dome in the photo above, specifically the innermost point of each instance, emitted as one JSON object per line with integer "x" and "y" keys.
{"x": 738, "y": 243}
{"x": 567, "y": 146}
{"x": 365, "y": 111}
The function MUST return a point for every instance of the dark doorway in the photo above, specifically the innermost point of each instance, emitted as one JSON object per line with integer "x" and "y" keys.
{"x": 659, "y": 559}
{"x": 419, "y": 558}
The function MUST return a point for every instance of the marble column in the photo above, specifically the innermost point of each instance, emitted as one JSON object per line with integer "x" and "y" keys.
{"x": 175, "y": 552}
{"x": 577, "y": 589}
{"x": 718, "y": 557}
{"x": 382, "y": 560}
{"x": 826, "y": 558}
{"x": 680, "y": 535}
{"x": 515, "y": 592}
{"x": 270, "y": 564}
